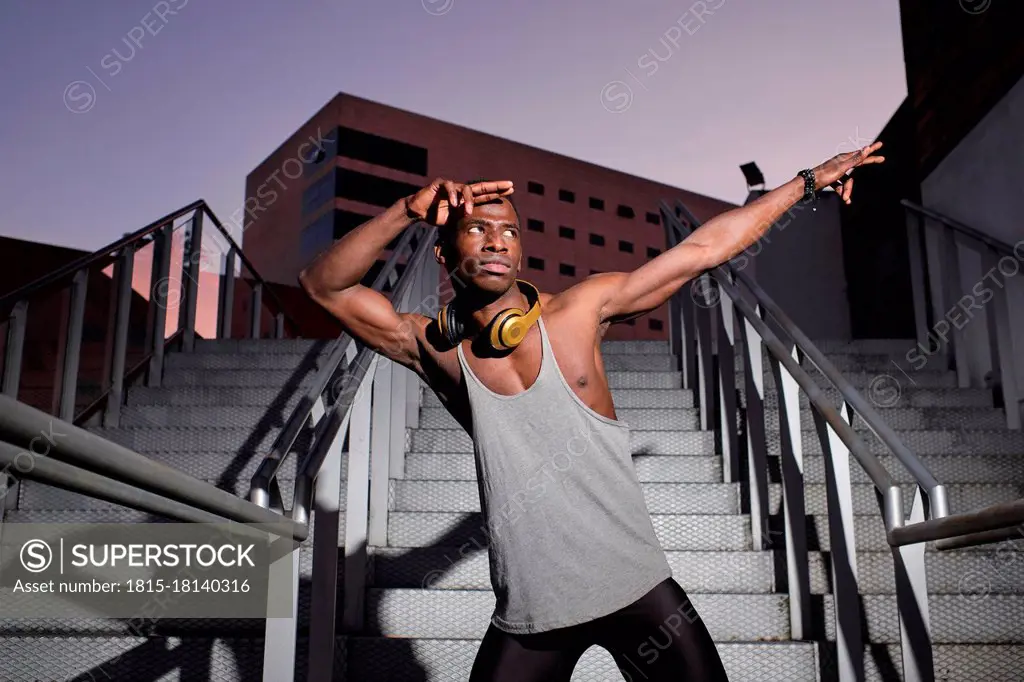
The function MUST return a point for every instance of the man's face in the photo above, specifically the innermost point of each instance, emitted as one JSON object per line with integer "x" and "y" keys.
{"x": 483, "y": 250}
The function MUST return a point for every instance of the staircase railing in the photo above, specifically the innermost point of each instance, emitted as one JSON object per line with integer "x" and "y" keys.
{"x": 936, "y": 243}
{"x": 708, "y": 320}
{"x": 358, "y": 397}
{"x": 115, "y": 310}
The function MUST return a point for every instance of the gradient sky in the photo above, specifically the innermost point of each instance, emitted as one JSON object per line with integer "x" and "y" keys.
{"x": 210, "y": 91}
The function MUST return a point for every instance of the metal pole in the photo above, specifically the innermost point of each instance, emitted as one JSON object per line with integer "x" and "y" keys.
{"x": 917, "y": 277}
{"x": 227, "y": 295}
{"x": 727, "y": 391}
{"x": 324, "y": 589}
{"x": 1001, "y": 344}
{"x": 123, "y": 282}
{"x": 73, "y": 346}
{"x": 380, "y": 445}
{"x": 843, "y": 547}
{"x": 191, "y": 270}
{"x": 793, "y": 504}
{"x": 757, "y": 443}
{"x": 953, "y": 286}
{"x": 16, "y": 324}
{"x": 257, "y": 307}
{"x": 912, "y": 603}
{"x": 160, "y": 278}
{"x": 357, "y": 502}
{"x": 279, "y": 326}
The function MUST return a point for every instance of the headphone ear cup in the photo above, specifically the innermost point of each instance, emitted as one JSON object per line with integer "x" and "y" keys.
{"x": 452, "y": 325}
{"x": 507, "y": 329}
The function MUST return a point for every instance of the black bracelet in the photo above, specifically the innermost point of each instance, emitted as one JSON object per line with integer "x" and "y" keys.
{"x": 809, "y": 189}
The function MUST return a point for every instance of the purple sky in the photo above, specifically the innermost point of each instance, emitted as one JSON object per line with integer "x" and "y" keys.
{"x": 214, "y": 88}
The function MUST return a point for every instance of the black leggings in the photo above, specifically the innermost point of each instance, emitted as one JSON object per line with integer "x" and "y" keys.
{"x": 658, "y": 638}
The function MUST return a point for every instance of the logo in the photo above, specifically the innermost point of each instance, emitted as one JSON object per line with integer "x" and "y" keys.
{"x": 36, "y": 556}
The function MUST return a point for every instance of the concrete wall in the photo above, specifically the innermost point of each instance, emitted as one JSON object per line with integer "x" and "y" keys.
{"x": 799, "y": 263}
{"x": 980, "y": 184}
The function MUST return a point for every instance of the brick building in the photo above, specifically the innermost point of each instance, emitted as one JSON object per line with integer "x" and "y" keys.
{"x": 355, "y": 157}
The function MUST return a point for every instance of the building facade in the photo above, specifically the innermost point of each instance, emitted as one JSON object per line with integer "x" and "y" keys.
{"x": 355, "y": 157}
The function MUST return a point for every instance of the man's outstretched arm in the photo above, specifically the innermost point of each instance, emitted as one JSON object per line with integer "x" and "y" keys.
{"x": 620, "y": 296}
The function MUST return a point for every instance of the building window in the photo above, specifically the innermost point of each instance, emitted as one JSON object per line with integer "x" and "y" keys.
{"x": 318, "y": 194}
{"x": 535, "y": 188}
{"x": 654, "y": 325}
{"x": 535, "y": 263}
{"x": 653, "y": 218}
{"x": 566, "y": 232}
{"x": 625, "y": 212}
{"x": 625, "y": 246}
{"x": 567, "y": 270}
{"x": 346, "y": 221}
{"x": 566, "y": 196}
{"x": 652, "y": 252}
{"x": 534, "y": 225}
{"x": 596, "y": 239}
{"x": 316, "y": 236}
{"x": 596, "y": 204}
{"x": 382, "y": 151}
{"x": 370, "y": 189}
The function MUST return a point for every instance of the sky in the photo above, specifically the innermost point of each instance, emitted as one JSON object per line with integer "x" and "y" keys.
{"x": 118, "y": 112}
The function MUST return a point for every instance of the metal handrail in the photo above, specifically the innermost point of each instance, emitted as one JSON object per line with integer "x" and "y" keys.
{"x": 999, "y": 246}
{"x": 876, "y": 472}
{"x": 86, "y": 463}
{"x": 107, "y": 254}
{"x": 938, "y": 504}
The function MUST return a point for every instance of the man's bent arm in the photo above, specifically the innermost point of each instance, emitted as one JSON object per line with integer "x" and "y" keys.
{"x": 333, "y": 281}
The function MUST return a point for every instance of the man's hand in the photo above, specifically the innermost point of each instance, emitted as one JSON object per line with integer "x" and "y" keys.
{"x": 434, "y": 202}
{"x": 836, "y": 172}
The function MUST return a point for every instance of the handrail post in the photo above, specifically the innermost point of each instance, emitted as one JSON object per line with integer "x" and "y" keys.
{"x": 191, "y": 271}
{"x": 279, "y": 326}
{"x": 757, "y": 442}
{"x": 794, "y": 508}
{"x": 843, "y": 548}
{"x": 324, "y": 588}
{"x": 380, "y": 445}
{"x": 935, "y": 249}
{"x": 160, "y": 281}
{"x": 357, "y": 505}
{"x": 1001, "y": 344}
{"x": 911, "y": 591}
{"x": 700, "y": 290}
{"x": 73, "y": 346}
{"x": 227, "y": 296}
{"x": 727, "y": 421}
{"x": 953, "y": 286}
{"x": 257, "y": 308}
{"x": 16, "y": 324}
{"x": 119, "y": 348}
{"x": 917, "y": 277}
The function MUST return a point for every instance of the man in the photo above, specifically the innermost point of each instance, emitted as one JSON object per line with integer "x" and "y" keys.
{"x": 570, "y": 570}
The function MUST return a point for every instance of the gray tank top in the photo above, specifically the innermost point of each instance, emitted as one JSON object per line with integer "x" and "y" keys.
{"x": 569, "y": 535}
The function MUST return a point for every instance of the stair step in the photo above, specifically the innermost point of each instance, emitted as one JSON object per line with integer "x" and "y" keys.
{"x": 674, "y": 531}
{"x": 913, "y": 418}
{"x": 949, "y": 469}
{"x": 650, "y": 419}
{"x": 646, "y": 442}
{"x": 254, "y": 396}
{"x": 887, "y": 395}
{"x": 928, "y": 442}
{"x": 865, "y": 381}
{"x": 465, "y": 614}
{"x": 856, "y": 362}
{"x": 891, "y": 347}
{"x": 996, "y": 619}
{"x": 649, "y": 468}
{"x": 467, "y": 568}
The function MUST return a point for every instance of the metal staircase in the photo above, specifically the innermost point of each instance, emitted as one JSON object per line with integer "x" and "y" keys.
{"x": 799, "y": 572}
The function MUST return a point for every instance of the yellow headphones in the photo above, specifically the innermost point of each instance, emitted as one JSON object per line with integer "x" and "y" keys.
{"x": 507, "y": 329}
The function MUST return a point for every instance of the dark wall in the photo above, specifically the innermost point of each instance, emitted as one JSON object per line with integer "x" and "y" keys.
{"x": 874, "y": 231}
{"x": 962, "y": 56}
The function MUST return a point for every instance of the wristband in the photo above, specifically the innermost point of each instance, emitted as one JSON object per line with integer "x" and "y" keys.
{"x": 809, "y": 186}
